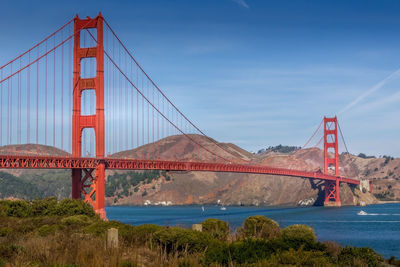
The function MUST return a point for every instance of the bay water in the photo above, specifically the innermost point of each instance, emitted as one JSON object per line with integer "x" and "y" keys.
{"x": 378, "y": 226}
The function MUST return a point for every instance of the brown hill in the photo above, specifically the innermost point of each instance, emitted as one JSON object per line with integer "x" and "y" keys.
{"x": 32, "y": 150}
{"x": 233, "y": 189}
{"x": 192, "y": 147}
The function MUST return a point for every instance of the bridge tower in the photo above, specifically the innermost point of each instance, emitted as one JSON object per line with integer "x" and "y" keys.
{"x": 89, "y": 183}
{"x": 332, "y": 197}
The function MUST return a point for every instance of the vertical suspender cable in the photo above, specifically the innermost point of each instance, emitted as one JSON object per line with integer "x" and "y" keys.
{"x": 8, "y": 108}
{"x": 70, "y": 93}
{"x": 1, "y": 108}
{"x": 62, "y": 92}
{"x": 45, "y": 100}
{"x": 37, "y": 104}
{"x": 142, "y": 120}
{"x": 137, "y": 112}
{"x": 19, "y": 106}
{"x": 132, "y": 114}
{"x": 54, "y": 98}
{"x": 126, "y": 108}
{"x": 28, "y": 101}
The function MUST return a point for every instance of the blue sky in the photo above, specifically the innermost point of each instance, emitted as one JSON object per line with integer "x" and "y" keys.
{"x": 252, "y": 72}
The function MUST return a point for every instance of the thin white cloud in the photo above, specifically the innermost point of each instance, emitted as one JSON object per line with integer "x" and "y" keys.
{"x": 373, "y": 89}
{"x": 242, "y": 3}
{"x": 380, "y": 103}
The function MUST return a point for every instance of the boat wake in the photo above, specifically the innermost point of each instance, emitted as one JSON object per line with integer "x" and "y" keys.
{"x": 363, "y": 213}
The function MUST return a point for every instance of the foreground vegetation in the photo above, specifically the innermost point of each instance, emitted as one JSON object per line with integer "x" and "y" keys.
{"x": 68, "y": 233}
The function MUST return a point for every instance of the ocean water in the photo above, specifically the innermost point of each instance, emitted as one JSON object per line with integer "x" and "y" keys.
{"x": 378, "y": 229}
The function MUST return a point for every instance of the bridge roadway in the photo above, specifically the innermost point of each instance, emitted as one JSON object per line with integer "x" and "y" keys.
{"x": 50, "y": 162}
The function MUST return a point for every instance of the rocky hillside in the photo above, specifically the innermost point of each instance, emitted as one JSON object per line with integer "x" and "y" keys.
{"x": 139, "y": 188}
{"x": 236, "y": 189}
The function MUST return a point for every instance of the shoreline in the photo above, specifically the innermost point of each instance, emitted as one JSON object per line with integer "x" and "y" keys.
{"x": 387, "y": 201}
{"x": 249, "y": 206}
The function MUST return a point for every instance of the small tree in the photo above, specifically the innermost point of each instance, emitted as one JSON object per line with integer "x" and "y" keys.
{"x": 298, "y": 235}
{"x": 216, "y": 228}
{"x": 259, "y": 227}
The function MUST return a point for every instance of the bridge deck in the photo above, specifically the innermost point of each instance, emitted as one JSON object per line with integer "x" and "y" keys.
{"x": 30, "y": 162}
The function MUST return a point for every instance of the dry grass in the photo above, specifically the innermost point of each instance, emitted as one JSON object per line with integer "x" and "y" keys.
{"x": 63, "y": 249}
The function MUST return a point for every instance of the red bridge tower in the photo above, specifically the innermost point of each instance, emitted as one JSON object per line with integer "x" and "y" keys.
{"x": 332, "y": 197}
{"x": 89, "y": 183}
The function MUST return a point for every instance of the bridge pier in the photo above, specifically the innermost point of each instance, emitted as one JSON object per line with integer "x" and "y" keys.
{"x": 89, "y": 184}
{"x": 332, "y": 195}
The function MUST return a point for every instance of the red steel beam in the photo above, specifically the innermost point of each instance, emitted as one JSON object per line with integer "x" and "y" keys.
{"x": 50, "y": 162}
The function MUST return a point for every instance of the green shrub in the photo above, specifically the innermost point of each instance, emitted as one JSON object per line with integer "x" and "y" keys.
{"x": 16, "y": 208}
{"x": 254, "y": 250}
{"x": 77, "y": 220}
{"x": 177, "y": 239}
{"x": 5, "y": 231}
{"x": 216, "y": 228}
{"x": 217, "y": 252}
{"x": 42, "y": 207}
{"x": 142, "y": 234}
{"x": 24, "y": 226}
{"x": 392, "y": 260}
{"x": 69, "y": 207}
{"x": 299, "y": 257}
{"x": 100, "y": 227}
{"x": 351, "y": 255}
{"x": 7, "y": 251}
{"x": 46, "y": 229}
{"x": 259, "y": 227}
{"x": 45, "y": 207}
{"x": 298, "y": 235}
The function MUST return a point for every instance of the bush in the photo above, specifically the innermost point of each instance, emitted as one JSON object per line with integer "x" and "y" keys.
{"x": 299, "y": 257}
{"x": 77, "y": 220}
{"x": 216, "y": 228}
{"x": 332, "y": 248}
{"x": 253, "y": 250}
{"x": 100, "y": 227}
{"x": 16, "y": 208}
{"x": 177, "y": 239}
{"x": 5, "y": 231}
{"x": 392, "y": 260}
{"x": 217, "y": 252}
{"x": 9, "y": 251}
{"x": 42, "y": 207}
{"x": 69, "y": 207}
{"x": 45, "y": 207}
{"x": 259, "y": 227}
{"x": 351, "y": 255}
{"x": 297, "y": 235}
{"x": 46, "y": 229}
{"x": 142, "y": 234}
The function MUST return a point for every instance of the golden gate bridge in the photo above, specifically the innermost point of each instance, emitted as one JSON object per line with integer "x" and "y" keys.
{"x": 79, "y": 100}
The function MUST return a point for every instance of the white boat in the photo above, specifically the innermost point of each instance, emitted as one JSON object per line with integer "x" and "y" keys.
{"x": 222, "y": 208}
{"x": 362, "y": 213}
{"x": 202, "y": 208}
